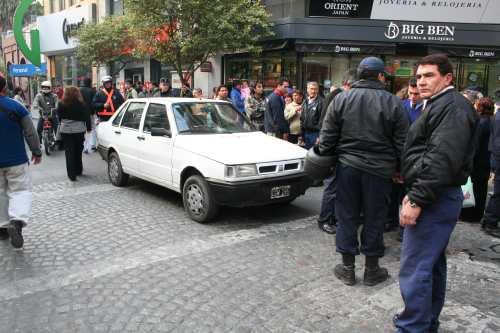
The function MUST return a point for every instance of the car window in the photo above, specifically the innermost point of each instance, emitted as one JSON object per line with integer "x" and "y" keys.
{"x": 156, "y": 116}
{"x": 119, "y": 116}
{"x": 132, "y": 117}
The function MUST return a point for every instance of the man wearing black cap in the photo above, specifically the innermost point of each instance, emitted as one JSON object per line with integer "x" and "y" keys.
{"x": 15, "y": 180}
{"x": 366, "y": 128}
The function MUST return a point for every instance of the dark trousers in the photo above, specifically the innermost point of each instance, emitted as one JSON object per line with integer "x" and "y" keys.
{"x": 293, "y": 138}
{"x": 310, "y": 139}
{"x": 327, "y": 213}
{"x": 397, "y": 194}
{"x": 422, "y": 275}
{"x": 357, "y": 192}
{"x": 73, "y": 148}
{"x": 492, "y": 213}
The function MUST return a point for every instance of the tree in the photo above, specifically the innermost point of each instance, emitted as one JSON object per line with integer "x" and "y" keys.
{"x": 106, "y": 43}
{"x": 186, "y": 33}
{"x": 7, "y": 9}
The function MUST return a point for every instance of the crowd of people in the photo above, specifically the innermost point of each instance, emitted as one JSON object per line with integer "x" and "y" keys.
{"x": 400, "y": 161}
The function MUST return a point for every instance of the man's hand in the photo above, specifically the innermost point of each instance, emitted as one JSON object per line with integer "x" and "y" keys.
{"x": 409, "y": 215}
{"x": 398, "y": 179}
{"x": 36, "y": 159}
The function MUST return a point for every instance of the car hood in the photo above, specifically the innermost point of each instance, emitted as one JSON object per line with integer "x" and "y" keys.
{"x": 240, "y": 148}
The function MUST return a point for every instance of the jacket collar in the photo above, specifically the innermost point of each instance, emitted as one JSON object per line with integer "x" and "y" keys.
{"x": 368, "y": 84}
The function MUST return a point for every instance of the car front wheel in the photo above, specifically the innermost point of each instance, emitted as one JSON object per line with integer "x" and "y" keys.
{"x": 197, "y": 199}
{"x": 115, "y": 171}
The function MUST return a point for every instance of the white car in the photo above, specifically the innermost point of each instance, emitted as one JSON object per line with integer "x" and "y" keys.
{"x": 204, "y": 149}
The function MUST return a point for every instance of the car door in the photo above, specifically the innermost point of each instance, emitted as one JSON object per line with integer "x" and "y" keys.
{"x": 156, "y": 157}
{"x": 128, "y": 137}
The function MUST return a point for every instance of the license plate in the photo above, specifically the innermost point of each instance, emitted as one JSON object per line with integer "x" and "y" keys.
{"x": 280, "y": 191}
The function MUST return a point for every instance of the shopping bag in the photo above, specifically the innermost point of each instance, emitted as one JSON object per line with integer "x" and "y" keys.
{"x": 467, "y": 190}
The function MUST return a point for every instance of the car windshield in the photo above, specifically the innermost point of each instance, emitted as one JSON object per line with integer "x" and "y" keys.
{"x": 209, "y": 118}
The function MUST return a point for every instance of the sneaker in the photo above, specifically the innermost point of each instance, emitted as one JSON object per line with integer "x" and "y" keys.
{"x": 15, "y": 231}
{"x": 329, "y": 228}
{"x": 345, "y": 274}
{"x": 4, "y": 235}
{"x": 375, "y": 276}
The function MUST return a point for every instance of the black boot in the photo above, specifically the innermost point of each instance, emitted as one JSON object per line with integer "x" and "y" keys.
{"x": 345, "y": 271}
{"x": 4, "y": 234}
{"x": 490, "y": 229}
{"x": 374, "y": 274}
{"x": 15, "y": 231}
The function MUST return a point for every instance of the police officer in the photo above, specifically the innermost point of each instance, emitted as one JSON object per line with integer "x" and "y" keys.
{"x": 366, "y": 127}
{"x": 107, "y": 100}
{"x": 436, "y": 162}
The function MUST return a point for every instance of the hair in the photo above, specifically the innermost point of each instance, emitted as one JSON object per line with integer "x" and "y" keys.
{"x": 18, "y": 90}
{"x": 236, "y": 83}
{"x": 412, "y": 83}
{"x": 287, "y": 95}
{"x": 254, "y": 85}
{"x": 440, "y": 60}
{"x": 298, "y": 92}
{"x": 471, "y": 95}
{"x": 368, "y": 74}
{"x": 312, "y": 83}
{"x": 197, "y": 90}
{"x": 72, "y": 95}
{"x": 220, "y": 87}
{"x": 129, "y": 81}
{"x": 3, "y": 83}
{"x": 87, "y": 82}
{"x": 485, "y": 106}
{"x": 283, "y": 80}
{"x": 403, "y": 93}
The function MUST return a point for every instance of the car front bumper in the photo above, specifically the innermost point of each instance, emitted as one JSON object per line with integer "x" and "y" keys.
{"x": 257, "y": 192}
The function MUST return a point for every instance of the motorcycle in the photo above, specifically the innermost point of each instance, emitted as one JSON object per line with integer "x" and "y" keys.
{"x": 48, "y": 132}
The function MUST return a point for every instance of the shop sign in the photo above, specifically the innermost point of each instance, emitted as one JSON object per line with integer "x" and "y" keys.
{"x": 458, "y": 11}
{"x": 420, "y": 32}
{"x": 56, "y": 30}
{"x": 341, "y": 8}
{"x": 403, "y": 72}
{"x": 206, "y": 67}
{"x": 347, "y": 49}
{"x": 27, "y": 70}
{"x": 481, "y": 54}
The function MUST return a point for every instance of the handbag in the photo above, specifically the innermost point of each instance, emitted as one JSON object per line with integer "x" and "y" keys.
{"x": 468, "y": 191}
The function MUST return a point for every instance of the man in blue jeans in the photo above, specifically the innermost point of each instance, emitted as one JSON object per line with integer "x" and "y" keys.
{"x": 437, "y": 160}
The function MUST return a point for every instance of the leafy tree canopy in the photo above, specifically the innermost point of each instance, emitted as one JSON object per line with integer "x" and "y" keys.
{"x": 106, "y": 42}
{"x": 7, "y": 9}
{"x": 185, "y": 33}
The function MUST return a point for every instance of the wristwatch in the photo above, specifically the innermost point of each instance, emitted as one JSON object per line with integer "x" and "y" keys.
{"x": 413, "y": 204}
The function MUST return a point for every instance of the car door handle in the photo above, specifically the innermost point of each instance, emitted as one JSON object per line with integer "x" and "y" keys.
{"x": 141, "y": 138}
{"x": 118, "y": 132}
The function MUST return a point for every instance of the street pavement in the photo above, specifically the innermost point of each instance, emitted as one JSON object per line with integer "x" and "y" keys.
{"x": 99, "y": 258}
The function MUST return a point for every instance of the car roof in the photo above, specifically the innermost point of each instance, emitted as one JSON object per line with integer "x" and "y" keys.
{"x": 170, "y": 100}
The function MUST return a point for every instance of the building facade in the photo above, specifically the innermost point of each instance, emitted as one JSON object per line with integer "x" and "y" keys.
{"x": 319, "y": 40}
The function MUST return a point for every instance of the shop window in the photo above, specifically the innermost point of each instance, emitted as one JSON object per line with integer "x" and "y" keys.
{"x": 494, "y": 80}
{"x": 62, "y": 4}
{"x": 115, "y": 7}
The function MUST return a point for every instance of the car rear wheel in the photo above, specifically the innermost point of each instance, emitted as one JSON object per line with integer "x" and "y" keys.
{"x": 115, "y": 171}
{"x": 198, "y": 200}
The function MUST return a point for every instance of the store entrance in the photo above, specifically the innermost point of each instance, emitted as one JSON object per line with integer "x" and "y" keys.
{"x": 472, "y": 75}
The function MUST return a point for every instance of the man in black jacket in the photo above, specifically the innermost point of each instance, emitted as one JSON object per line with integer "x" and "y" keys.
{"x": 310, "y": 118}
{"x": 366, "y": 128}
{"x": 107, "y": 100}
{"x": 436, "y": 162}
{"x": 274, "y": 118}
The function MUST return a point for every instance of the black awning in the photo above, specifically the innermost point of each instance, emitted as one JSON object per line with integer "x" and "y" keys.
{"x": 344, "y": 47}
{"x": 469, "y": 52}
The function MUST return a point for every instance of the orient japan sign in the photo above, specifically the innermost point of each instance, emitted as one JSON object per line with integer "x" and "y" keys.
{"x": 341, "y": 8}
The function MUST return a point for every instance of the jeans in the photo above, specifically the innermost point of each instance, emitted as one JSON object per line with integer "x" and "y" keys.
{"x": 310, "y": 139}
{"x": 422, "y": 275}
{"x": 15, "y": 194}
{"x": 358, "y": 191}
{"x": 327, "y": 213}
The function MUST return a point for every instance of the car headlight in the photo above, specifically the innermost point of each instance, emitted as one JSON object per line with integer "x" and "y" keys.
{"x": 242, "y": 170}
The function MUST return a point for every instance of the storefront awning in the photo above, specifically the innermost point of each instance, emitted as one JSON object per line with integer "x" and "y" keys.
{"x": 344, "y": 47}
{"x": 469, "y": 52}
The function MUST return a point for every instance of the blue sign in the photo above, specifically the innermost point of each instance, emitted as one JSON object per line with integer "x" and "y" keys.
{"x": 27, "y": 70}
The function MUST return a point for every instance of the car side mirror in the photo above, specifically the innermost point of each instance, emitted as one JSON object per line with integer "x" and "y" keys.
{"x": 156, "y": 131}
